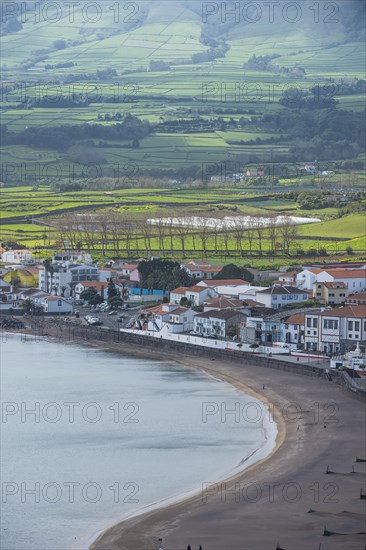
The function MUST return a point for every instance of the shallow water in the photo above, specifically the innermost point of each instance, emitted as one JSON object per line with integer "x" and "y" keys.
{"x": 108, "y": 435}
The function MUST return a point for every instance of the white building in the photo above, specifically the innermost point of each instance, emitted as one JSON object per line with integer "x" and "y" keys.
{"x": 9, "y": 300}
{"x": 171, "y": 317}
{"x": 181, "y": 319}
{"x": 18, "y": 257}
{"x": 81, "y": 257}
{"x": 177, "y": 294}
{"x": 64, "y": 276}
{"x": 217, "y": 323}
{"x": 100, "y": 286}
{"x": 201, "y": 270}
{"x": 294, "y": 329}
{"x": 260, "y": 330}
{"x": 355, "y": 279}
{"x": 281, "y": 295}
{"x": 57, "y": 305}
{"x": 127, "y": 269}
{"x": 196, "y": 294}
{"x": 307, "y": 277}
{"x": 328, "y": 330}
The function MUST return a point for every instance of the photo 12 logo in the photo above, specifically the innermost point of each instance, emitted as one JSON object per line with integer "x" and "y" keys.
{"x": 68, "y": 491}
{"x": 70, "y": 412}
{"x": 272, "y": 492}
{"x": 253, "y": 412}
{"x": 270, "y": 12}
{"x": 58, "y": 172}
{"x": 71, "y": 12}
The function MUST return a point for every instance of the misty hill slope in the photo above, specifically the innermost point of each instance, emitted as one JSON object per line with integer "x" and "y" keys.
{"x": 174, "y": 32}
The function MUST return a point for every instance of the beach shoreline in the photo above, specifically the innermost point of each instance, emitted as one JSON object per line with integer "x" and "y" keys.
{"x": 303, "y": 450}
{"x": 192, "y": 496}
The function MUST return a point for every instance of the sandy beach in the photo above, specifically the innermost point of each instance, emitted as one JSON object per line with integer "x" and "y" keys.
{"x": 319, "y": 426}
{"x": 286, "y": 500}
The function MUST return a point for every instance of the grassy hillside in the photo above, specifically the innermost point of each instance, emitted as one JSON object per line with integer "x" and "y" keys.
{"x": 206, "y": 93}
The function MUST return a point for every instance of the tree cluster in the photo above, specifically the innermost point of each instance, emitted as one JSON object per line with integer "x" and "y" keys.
{"x": 163, "y": 275}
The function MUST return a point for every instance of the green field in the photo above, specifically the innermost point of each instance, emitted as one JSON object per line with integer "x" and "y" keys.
{"x": 188, "y": 88}
{"x": 44, "y": 210}
{"x": 210, "y": 112}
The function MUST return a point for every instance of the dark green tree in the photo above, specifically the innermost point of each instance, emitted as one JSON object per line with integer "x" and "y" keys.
{"x": 112, "y": 291}
{"x": 232, "y": 271}
{"x": 91, "y": 296}
{"x": 163, "y": 275}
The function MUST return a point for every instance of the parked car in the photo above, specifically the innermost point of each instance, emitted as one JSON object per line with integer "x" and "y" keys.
{"x": 93, "y": 320}
{"x": 96, "y": 323}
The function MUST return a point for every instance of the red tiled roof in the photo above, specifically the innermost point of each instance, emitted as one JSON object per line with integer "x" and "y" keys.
{"x": 158, "y": 310}
{"x": 129, "y": 266}
{"x": 357, "y": 296}
{"x": 179, "y": 311}
{"x": 297, "y": 319}
{"x": 357, "y": 311}
{"x": 179, "y": 290}
{"x": 347, "y": 273}
{"x": 197, "y": 288}
{"x": 222, "y": 302}
{"x": 205, "y": 268}
{"x": 98, "y": 285}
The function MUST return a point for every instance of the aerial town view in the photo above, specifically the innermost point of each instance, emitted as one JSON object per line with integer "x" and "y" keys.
{"x": 183, "y": 275}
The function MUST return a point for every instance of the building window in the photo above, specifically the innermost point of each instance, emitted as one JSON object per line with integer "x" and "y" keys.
{"x": 350, "y": 325}
{"x": 357, "y": 325}
{"x": 330, "y": 324}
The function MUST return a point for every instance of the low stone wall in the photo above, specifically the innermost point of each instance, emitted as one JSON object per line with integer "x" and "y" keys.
{"x": 67, "y": 331}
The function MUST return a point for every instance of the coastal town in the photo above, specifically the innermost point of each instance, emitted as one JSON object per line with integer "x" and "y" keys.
{"x": 310, "y": 312}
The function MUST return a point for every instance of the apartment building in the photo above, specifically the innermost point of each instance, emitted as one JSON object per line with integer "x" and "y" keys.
{"x": 330, "y": 293}
{"x": 334, "y": 330}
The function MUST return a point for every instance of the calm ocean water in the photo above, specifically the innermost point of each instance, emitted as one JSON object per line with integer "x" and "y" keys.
{"x": 89, "y": 437}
